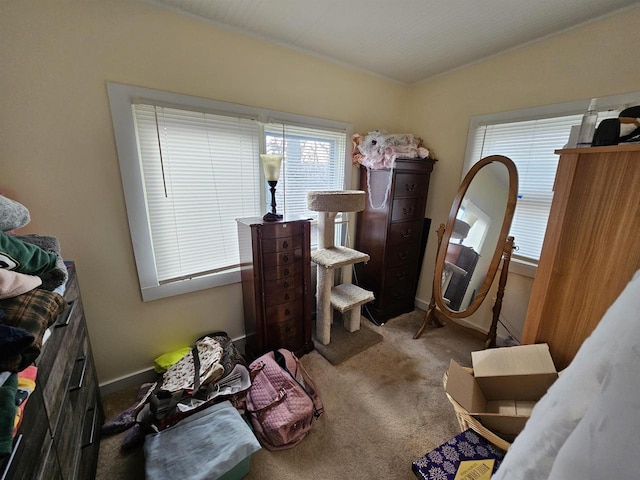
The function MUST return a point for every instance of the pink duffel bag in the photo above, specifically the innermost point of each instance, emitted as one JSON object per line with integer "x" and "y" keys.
{"x": 282, "y": 400}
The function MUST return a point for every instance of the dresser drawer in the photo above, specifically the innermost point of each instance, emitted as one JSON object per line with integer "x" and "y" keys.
{"x": 402, "y": 277}
{"x": 284, "y": 244}
{"x": 280, "y": 284}
{"x": 410, "y": 185}
{"x": 33, "y": 432}
{"x": 402, "y": 254}
{"x": 284, "y": 335}
{"x": 395, "y": 295}
{"x": 282, "y": 313}
{"x": 55, "y": 372}
{"x": 283, "y": 296}
{"x": 405, "y": 232}
{"x": 68, "y": 435}
{"x": 281, "y": 272}
{"x": 282, "y": 258}
{"x": 406, "y": 209}
{"x": 279, "y": 230}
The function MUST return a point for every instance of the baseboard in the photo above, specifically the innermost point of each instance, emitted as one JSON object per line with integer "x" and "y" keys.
{"x": 145, "y": 376}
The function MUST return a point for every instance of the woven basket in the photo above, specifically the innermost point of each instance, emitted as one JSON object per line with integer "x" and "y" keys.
{"x": 466, "y": 421}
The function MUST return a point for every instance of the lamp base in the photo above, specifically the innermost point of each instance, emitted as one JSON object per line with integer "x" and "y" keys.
{"x": 272, "y": 217}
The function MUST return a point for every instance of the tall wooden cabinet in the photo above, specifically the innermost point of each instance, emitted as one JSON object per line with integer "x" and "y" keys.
{"x": 392, "y": 235}
{"x": 275, "y": 262}
{"x": 59, "y": 436}
{"x": 591, "y": 248}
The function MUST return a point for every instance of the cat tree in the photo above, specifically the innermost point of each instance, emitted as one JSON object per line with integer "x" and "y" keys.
{"x": 346, "y": 297}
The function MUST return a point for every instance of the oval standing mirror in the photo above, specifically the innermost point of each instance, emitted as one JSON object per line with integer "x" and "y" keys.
{"x": 474, "y": 241}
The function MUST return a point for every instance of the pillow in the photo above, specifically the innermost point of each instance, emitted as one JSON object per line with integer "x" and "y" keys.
{"x": 13, "y": 283}
{"x": 13, "y": 215}
{"x": 24, "y": 257}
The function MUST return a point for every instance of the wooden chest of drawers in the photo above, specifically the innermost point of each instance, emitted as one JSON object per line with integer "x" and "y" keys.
{"x": 275, "y": 260}
{"x": 392, "y": 235}
{"x": 59, "y": 434}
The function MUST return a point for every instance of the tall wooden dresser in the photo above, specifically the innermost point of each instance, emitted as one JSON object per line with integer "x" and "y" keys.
{"x": 275, "y": 262}
{"x": 392, "y": 235}
{"x": 591, "y": 247}
{"x": 60, "y": 432}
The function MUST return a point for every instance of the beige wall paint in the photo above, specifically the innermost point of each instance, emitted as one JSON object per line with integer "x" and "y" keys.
{"x": 58, "y": 155}
{"x": 590, "y": 61}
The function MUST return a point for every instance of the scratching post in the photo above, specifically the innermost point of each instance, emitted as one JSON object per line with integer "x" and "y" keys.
{"x": 346, "y": 298}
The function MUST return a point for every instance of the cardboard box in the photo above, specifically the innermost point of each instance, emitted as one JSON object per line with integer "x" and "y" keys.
{"x": 505, "y": 385}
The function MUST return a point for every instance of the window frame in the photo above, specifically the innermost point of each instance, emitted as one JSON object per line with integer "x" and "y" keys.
{"x": 121, "y": 98}
{"x": 521, "y": 266}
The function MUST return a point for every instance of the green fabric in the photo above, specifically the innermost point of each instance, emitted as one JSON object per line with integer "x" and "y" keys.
{"x": 24, "y": 257}
{"x": 7, "y": 413}
{"x": 164, "y": 361}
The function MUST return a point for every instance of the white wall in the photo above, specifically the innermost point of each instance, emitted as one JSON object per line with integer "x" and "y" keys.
{"x": 590, "y": 61}
{"x": 58, "y": 155}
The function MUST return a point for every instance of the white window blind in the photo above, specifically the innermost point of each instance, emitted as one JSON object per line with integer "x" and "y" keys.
{"x": 531, "y": 145}
{"x": 200, "y": 173}
{"x": 314, "y": 159}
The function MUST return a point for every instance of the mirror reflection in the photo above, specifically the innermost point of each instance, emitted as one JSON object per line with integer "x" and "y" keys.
{"x": 475, "y": 235}
{"x": 473, "y": 244}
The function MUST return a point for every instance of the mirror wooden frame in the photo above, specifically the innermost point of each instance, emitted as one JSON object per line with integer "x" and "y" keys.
{"x": 504, "y": 247}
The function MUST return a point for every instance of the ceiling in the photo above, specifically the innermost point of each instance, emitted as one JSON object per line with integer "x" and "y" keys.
{"x": 403, "y": 40}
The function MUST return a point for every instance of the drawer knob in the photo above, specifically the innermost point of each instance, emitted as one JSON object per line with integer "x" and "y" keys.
{"x": 400, "y": 276}
{"x": 403, "y": 255}
{"x": 287, "y": 329}
{"x": 286, "y": 296}
{"x": 406, "y": 233}
{"x": 409, "y": 187}
{"x": 286, "y": 311}
{"x": 285, "y": 258}
{"x": 285, "y": 244}
{"x": 286, "y": 271}
{"x": 407, "y": 211}
{"x": 285, "y": 284}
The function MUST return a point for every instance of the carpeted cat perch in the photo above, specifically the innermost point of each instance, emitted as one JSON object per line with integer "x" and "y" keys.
{"x": 346, "y": 298}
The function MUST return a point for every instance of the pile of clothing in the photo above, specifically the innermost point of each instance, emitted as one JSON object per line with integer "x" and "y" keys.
{"x": 32, "y": 279}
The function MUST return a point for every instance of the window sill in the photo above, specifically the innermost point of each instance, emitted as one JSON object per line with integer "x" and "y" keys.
{"x": 523, "y": 267}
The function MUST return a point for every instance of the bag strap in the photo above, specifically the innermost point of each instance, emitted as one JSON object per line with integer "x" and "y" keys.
{"x": 282, "y": 362}
{"x": 196, "y": 367}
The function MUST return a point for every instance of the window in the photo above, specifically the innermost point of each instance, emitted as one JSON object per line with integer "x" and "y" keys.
{"x": 529, "y": 138}
{"x": 190, "y": 167}
{"x": 311, "y": 162}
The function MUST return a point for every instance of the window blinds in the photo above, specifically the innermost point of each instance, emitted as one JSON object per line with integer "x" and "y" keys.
{"x": 531, "y": 145}
{"x": 200, "y": 173}
{"x": 314, "y": 159}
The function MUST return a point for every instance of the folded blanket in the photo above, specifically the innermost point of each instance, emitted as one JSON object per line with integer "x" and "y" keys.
{"x": 13, "y": 215}
{"x": 32, "y": 312}
{"x": 13, "y": 341}
{"x": 13, "y": 283}
{"x": 7, "y": 413}
{"x": 57, "y": 273}
{"x": 23, "y": 257}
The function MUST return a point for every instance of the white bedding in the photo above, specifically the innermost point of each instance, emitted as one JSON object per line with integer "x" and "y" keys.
{"x": 587, "y": 426}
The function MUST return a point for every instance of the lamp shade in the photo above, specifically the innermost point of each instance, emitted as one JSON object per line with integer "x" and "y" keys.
{"x": 271, "y": 165}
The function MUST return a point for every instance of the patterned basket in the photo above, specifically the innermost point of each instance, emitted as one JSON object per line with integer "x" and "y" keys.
{"x": 466, "y": 421}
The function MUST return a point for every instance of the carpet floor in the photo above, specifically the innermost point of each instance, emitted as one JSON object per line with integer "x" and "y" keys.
{"x": 384, "y": 408}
